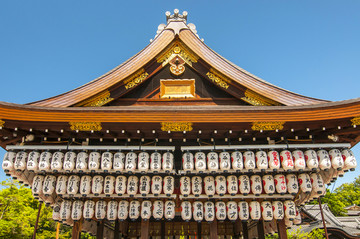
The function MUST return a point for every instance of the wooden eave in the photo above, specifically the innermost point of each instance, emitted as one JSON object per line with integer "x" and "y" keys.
{"x": 239, "y": 78}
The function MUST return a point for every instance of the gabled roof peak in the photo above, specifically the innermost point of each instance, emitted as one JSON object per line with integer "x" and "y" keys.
{"x": 176, "y": 16}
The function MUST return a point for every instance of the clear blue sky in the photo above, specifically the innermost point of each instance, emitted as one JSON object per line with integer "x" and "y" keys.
{"x": 310, "y": 47}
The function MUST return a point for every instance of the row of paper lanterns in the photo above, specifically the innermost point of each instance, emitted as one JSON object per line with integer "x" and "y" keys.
{"x": 262, "y": 160}
{"x": 196, "y": 185}
{"x": 198, "y": 211}
{"x": 212, "y": 161}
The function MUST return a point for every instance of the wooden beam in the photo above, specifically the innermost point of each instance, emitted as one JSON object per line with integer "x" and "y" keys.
{"x": 245, "y": 230}
{"x": 76, "y": 230}
{"x": 260, "y": 227}
{"x": 100, "y": 230}
{"x": 145, "y": 229}
{"x": 282, "y": 229}
{"x": 214, "y": 229}
{"x": 37, "y": 220}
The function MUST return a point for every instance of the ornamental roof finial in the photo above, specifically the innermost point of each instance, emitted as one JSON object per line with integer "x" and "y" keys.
{"x": 176, "y": 16}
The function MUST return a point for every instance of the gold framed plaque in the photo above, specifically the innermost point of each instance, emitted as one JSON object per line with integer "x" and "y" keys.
{"x": 178, "y": 88}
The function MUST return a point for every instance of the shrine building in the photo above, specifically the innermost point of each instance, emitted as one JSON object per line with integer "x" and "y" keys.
{"x": 178, "y": 142}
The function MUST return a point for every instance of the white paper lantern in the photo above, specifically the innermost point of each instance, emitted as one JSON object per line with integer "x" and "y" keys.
{"x": 249, "y": 160}
{"x": 130, "y": 162}
{"x": 305, "y": 183}
{"x": 244, "y": 213}
{"x": 212, "y": 161}
{"x": 297, "y": 220}
{"x": 56, "y": 212}
{"x": 77, "y": 209}
{"x": 100, "y": 210}
{"x": 33, "y": 161}
{"x": 57, "y": 161}
{"x": 120, "y": 185}
{"x": 287, "y": 161}
{"x": 112, "y": 210}
{"x": 198, "y": 211}
{"x": 244, "y": 184}
{"x": 185, "y": 186}
{"x": 123, "y": 210}
{"x": 200, "y": 162}
{"x": 290, "y": 208}
{"x": 20, "y": 161}
{"x": 269, "y": 184}
{"x": 65, "y": 210}
{"x": 267, "y": 211}
{"x": 158, "y": 209}
{"x": 261, "y": 160}
{"x": 209, "y": 186}
{"x": 143, "y": 162}
{"x": 155, "y": 162}
{"x": 256, "y": 185}
{"x": 69, "y": 161}
{"x": 292, "y": 184}
{"x": 232, "y": 185}
{"x": 288, "y": 223}
{"x": 82, "y": 161}
{"x": 349, "y": 160}
{"x": 274, "y": 160}
{"x": 132, "y": 186}
{"x": 106, "y": 161}
{"x": 237, "y": 160}
{"x": 49, "y": 185}
{"x": 169, "y": 212}
{"x": 337, "y": 161}
{"x": 97, "y": 185}
{"x": 186, "y": 212}
{"x": 209, "y": 211}
{"x": 278, "y": 209}
{"x": 146, "y": 210}
{"x": 169, "y": 185}
{"x": 119, "y": 162}
{"x": 168, "y": 162}
{"x": 89, "y": 210}
{"x": 73, "y": 185}
{"x": 144, "y": 187}
{"x": 220, "y": 208}
{"x": 232, "y": 210}
{"x": 255, "y": 212}
{"x": 225, "y": 163}
{"x": 188, "y": 161}
{"x": 220, "y": 185}
{"x": 85, "y": 185}
{"x": 317, "y": 184}
{"x": 196, "y": 185}
{"x": 299, "y": 160}
{"x": 44, "y": 162}
{"x": 109, "y": 185}
{"x": 8, "y": 162}
{"x": 324, "y": 159}
{"x": 37, "y": 185}
{"x": 311, "y": 159}
{"x": 156, "y": 185}
{"x": 61, "y": 185}
{"x": 280, "y": 184}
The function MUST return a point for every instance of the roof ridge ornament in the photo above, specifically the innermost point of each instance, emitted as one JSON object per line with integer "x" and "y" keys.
{"x": 176, "y": 16}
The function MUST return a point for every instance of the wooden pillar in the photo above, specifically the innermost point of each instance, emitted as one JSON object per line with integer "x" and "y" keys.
{"x": 37, "y": 220}
{"x": 199, "y": 230}
{"x": 125, "y": 229}
{"x": 245, "y": 230}
{"x": 100, "y": 230}
{"x": 237, "y": 229}
{"x": 260, "y": 227}
{"x": 162, "y": 229}
{"x": 323, "y": 219}
{"x": 145, "y": 228}
{"x": 282, "y": 229}
{"x": 214, "y": 229}
{"x": 76, "y": 230}
{"x": 117, "y": 230}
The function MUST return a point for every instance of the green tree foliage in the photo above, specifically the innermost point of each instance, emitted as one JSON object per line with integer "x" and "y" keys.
{"x": 314, "y": 234}
{"x": 18, "y": 212}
